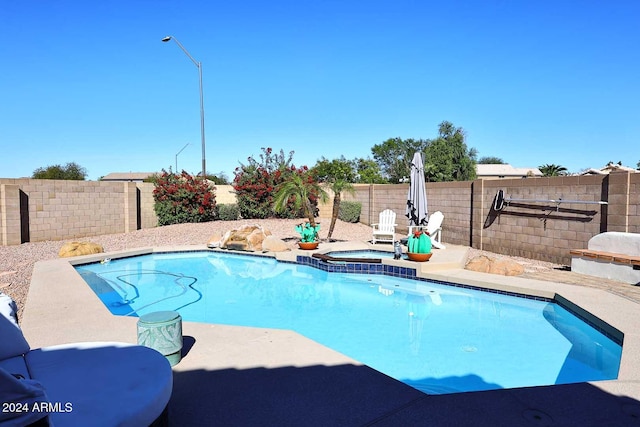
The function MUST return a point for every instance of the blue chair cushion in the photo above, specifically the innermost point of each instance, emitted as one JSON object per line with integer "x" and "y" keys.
{"x": 13, "y": 342}
{"x": 107, "y": 384}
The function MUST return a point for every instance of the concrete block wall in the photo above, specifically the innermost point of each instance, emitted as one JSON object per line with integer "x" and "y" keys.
{"x": 624, "y": 197}
{"x": 361, "y": 194}
{"x": 533, "y": 227}
{"x": 537, "y": 229}
{"x": 61, "y": 209}
{"x": 377, "y": 197}
{"x": 225, "y": 194}
{"x": 634, "y": 203}
{"x": 453, "y": 200}
{"x": 10, "y": 215}
{"x": 148, "y": 216}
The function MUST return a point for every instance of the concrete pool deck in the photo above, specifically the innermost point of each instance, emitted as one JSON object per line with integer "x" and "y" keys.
{"x": 238, "y": 376}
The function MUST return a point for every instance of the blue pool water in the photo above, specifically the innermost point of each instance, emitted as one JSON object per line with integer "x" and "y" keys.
{"x": 434, "y": 337}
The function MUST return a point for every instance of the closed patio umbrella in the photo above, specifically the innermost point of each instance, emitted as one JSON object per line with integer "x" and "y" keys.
{"x": 417, "y": 197}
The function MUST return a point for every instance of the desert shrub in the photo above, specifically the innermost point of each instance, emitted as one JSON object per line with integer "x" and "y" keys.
{"x": 350, "y": 211}
{"x": 228, "y": 212}
{"x": 183, "y": 198}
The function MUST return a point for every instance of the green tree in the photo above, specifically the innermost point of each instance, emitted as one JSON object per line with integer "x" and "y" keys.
{"x": 220, "y": 178}
{"x": 394, "y": 156}
{"x": 70, "y": 171}
{"x": 329, "y": 170}
{"x": 299, "y": 189}
{"x": 490, "y": 160}
{"x": 638, "y": 165}
{"x": 338, "y": 176}
{"x": 367, "y": 171}
{"x": 552, "y": 170}
{"x": 447, "y": 157}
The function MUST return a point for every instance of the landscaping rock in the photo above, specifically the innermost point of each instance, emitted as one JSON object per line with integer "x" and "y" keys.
{"x": 273, "y": 244}
{"x": 245, "y": 238}
{"x": 503, "y": 266}
{"x": 506, "y": 267}
{"x": 481, "y": 264}
{"x": 72, "y": 249}
{"x": 215, "y": 241}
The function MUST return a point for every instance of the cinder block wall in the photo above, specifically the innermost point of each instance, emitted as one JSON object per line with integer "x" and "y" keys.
{"x": 361, "y": 194}
{"x": 624, "y": 199}
{"x": 530, "y": 225}
{"x": 225, "y": 195}
{"x": 10, "y": 214}
{"x": 59, "y": 209}
{"x": 634, "y": 203}
{"x": 148, "y": 216}
{"x": 534, "y": 227}
{"x": 453, "y": 199}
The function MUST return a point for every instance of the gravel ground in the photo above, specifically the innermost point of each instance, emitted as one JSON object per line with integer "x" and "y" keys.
{"x": 16, "y": 262}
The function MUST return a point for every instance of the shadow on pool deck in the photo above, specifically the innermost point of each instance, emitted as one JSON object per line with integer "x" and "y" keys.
{"x": 350, "y": 395}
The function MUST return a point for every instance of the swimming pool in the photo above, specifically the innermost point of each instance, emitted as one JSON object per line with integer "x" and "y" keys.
{"x": 432, "y": 336}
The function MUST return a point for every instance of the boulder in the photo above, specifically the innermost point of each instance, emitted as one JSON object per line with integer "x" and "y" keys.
{"x": 506, "y": 267}
{"x": 480, "y": 264}
{"x": 79, "y": 248}
{"x": 273, "y": 244}
{"x": 503, "y": 266}
{"x": 245, "y": 238}
{"x": 215, "y": 241}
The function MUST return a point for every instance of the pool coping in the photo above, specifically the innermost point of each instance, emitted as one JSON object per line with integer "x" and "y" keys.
{"x": 80, "y": 316}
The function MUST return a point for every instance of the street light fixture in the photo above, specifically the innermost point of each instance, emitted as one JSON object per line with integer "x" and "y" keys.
{"x": 177, "y": 156}
{"x": 199, "y": 65}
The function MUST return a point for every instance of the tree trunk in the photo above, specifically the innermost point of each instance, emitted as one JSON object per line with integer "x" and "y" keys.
{"x": 309, "y": 211}
{"x": 334, "y": 214}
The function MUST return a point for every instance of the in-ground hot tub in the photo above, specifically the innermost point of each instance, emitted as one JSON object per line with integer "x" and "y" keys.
{"x": 369, "y": 256}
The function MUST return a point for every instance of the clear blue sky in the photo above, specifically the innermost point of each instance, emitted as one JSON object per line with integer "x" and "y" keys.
{"x": 531, "y": 82}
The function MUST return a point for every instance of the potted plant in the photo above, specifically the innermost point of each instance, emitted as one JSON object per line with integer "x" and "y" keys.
{"x": 308, "y": 235}
{"x": 419, "y": 246}
{"x": 297, "y": 190}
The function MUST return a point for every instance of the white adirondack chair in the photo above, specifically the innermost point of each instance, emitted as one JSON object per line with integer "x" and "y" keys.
{"x": 384, "y": 230}
{"x": 434, "y": 228}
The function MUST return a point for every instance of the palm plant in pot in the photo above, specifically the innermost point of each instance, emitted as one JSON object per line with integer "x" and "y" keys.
{"x": 298, "y": 190}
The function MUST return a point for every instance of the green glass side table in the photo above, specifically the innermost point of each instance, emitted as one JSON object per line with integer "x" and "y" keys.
{"x": 162, "y": 331}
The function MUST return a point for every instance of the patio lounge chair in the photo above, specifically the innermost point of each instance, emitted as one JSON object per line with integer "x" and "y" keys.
{"x": 384, "y": 230}
{"x": 84, "y": 384}
{"x": 434, "y": 228}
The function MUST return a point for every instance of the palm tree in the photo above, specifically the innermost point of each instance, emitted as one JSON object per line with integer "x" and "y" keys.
{"x": 338, "y": 186}
{"x": 552, "y": 170}
{"x": 297, "y": 190}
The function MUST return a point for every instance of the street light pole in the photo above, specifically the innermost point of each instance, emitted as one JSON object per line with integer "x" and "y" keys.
{"x": 177, "y": 156}
{"x": 199, "y": 65}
